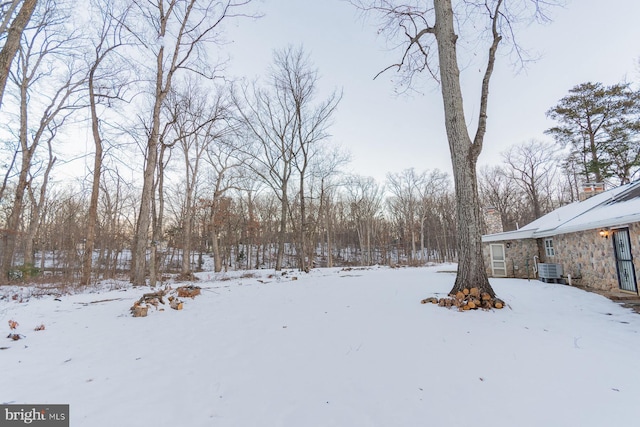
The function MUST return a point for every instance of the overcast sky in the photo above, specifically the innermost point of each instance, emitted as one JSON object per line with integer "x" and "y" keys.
{"x": 588, "y": 40}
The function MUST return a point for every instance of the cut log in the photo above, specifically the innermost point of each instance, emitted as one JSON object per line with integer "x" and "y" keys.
{"x": 140, "y": 310}
{"x": 150, "y": 297}
{"x": 176, "y": 304}
{"x": 469, "y": 302}
{"x": 188, "y": 291}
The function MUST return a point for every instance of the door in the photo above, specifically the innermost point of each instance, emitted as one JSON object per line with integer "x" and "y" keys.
{"x": 498, "y": 261}
{"x": 624, "y": 260}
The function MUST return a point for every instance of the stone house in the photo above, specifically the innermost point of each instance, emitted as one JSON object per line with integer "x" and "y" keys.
{"x": 594, "y": 242}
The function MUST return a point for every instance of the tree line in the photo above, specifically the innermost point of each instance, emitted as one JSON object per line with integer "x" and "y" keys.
{"x": 187, "y": 161}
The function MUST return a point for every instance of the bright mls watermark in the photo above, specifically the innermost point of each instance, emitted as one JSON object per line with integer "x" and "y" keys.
{"x": 34, "y": 415}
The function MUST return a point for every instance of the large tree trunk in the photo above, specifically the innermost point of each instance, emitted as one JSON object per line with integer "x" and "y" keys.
{"x": 303, "y": 227}
{"x": 471, "y": 269}
{"x": 12, "y": 41}
{"x": 156, "y": 258}
{"x": 186, "y": 242}
{"x": 282, "y": 232}
{"x": 329, "y": 244}
{"x": 138, "y": 272}
{"x": 215, "y": 247}
{"x": 187, "y": 229}
{"x": 13, "y": 222}
{"x": 92, "y": 219}
{"x": 464, "y": 155}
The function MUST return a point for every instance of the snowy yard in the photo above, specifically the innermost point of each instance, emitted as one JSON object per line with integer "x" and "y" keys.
{"x": 333, "y": 348}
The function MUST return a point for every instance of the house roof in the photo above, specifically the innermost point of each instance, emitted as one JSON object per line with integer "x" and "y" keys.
{"x": 615, "y": 207}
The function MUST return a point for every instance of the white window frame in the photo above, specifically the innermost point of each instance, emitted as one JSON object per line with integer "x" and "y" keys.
{"x": 548, "y": 247}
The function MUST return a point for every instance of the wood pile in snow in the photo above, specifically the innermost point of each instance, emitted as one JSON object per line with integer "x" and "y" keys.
{"x": 467, "y": 299}
{"x": 189, "y": 291}
{"x": 141, "y": 307}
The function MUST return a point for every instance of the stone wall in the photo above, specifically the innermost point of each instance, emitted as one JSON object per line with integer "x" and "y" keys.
{"x": 585, "y": 255}
{"x": 588, "y": 257}
{"x": 591, "y": 258}
{"x": 492, "y": 220}
{"x": 518, "y": 255}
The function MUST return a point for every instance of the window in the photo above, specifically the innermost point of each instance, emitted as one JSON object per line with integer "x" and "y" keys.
{"x": 548, "y": 247}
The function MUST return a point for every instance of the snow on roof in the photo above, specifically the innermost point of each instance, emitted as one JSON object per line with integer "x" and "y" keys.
{"x": 618, "y": 206}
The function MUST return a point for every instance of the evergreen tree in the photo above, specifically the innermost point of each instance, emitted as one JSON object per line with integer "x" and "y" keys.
{"x": 602, "y": 126}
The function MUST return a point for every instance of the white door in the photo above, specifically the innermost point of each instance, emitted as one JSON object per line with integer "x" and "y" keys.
{"x": 498, "y": 261}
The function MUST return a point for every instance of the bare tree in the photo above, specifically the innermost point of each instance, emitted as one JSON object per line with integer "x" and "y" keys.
{"x": 500, "y": 192}
{"x": 116, "y": 221}
{"x": 201, "y": 122}
{"x": 266, "y": 126}
{"x": 364, "y": 197}
{"x": 105, "y": 84}
{"x": 37, "y": 201}
{"x": 327, "y": 174}
{"x": 226, "y": 174}
{"x": 43, "y": 48}
{"x": 297, "y": 79}
{"x": 423, "y": 25}
{"x": 531, "y": 165}
{"x": 405, "y": 203}
{"x": 12, "y": 26}
{"x": 175, "y": 33}
{"x": 285, "y": 126}
{"x": 436, "y": 186}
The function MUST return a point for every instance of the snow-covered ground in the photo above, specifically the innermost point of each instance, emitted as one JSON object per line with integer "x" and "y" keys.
{"x": 333, "y": 348}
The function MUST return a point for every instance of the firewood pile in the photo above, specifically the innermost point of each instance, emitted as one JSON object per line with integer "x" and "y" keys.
{"x": 141, "y": 307}
{"x": 467, "y": 299}
{"x": 190, "y": 291}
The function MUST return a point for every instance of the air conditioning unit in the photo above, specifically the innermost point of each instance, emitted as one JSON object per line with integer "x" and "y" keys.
{"x": 550, "y": 273}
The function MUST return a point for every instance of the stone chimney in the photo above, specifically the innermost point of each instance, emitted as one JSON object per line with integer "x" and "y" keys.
{"x": 493, "y": 220}
{"x": 590, "y": 189}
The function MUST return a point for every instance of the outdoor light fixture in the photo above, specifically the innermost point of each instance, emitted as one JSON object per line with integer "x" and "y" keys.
{"x": 604, "y": 233}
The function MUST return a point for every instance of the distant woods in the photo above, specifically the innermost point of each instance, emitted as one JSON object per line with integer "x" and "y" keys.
{"x": 183, "y": 161}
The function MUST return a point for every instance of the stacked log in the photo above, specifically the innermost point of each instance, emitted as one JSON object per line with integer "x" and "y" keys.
{"x": 467, "y": 299}
{"x": 141, "y": 307}
{"x": 190, "y": 291}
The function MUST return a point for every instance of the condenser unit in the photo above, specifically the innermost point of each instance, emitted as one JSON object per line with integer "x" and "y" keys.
{"x": 550, "y": 273}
